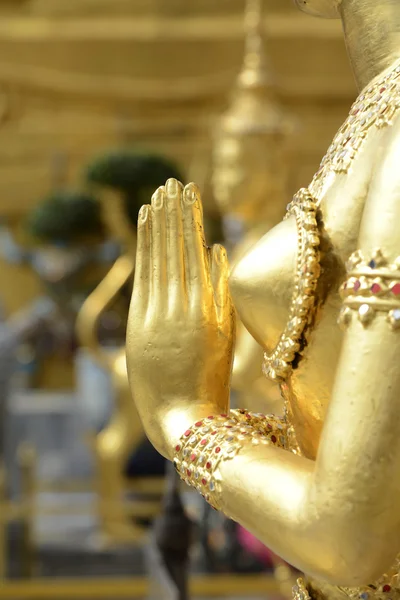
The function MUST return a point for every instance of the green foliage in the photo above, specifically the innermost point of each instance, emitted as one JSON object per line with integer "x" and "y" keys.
{"x": 65, "y": 216}
{"x": 136, "y": 175}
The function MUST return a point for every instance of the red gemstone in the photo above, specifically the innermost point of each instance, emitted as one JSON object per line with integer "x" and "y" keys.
{"x": 273, "y": 439}
{"x": 217, "y": 450}
{"x": 203, "y": 442}
{"x": 396, "y": 289}
{"x": 382, "y": 90}
{"x": 199, "y": 423}
{"x": 269, "y": 426}
{"x": 214, "y": 432}
{"x": 376, "y": 288}
{"x": 229, "y": 426}
{"x": 224, "y": 416}
{"x": 192, "y": 457}
{"x": 386, "y": 588}
{"x": 188, "y": 432}
{"x": 189, "y": 472}
{"x": 211, "y": 417}
{"x": 177, "y": 448}
{"x": 357, "y": 285}
{"x": 204, "y": 481}
{"x": 208, "y": 465}
{"x": 248, "y": 416}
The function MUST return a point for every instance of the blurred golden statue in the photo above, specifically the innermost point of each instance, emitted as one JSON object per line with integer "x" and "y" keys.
{"x": 250, "y": 165}
{"x": 121, "y": 181}
{"x": 320, "y": 485}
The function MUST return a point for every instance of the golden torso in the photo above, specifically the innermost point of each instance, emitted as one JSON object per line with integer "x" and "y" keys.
{"x": 262, "y": 282}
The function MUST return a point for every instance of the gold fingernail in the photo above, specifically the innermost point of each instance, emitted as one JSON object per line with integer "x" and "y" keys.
{"x": 157, "y": 199}
{"x": 172, "y": 187}
{"x": 190, "y": 194}
{"x": 143, "y": 213}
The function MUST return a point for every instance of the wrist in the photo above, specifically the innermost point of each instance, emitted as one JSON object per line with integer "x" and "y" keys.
{"x": 178, "y": 420}
{"x": 211, "y": 441}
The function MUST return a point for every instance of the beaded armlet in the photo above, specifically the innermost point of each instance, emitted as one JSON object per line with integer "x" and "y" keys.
{"x": 203, "y": 447}
{"x": 372, "y": 287}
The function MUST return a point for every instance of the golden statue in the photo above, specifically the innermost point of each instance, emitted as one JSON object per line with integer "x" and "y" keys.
{"x": 119, "y": 179}
{"x": 319, "y": 486}
{"x": 250, "y": 161}
{"x": 115, "y": 443}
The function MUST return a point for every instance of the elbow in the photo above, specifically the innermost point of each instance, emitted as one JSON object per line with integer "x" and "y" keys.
{"x": 347, "y": 573}
{"x": 357, "y": 558}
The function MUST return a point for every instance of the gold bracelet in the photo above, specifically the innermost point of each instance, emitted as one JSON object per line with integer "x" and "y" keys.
{"x": 278, "y": 364}
{"x": 372, "y": 287}
{"x": 210, "y": 441}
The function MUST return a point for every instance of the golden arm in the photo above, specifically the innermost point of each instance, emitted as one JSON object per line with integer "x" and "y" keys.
{"x": 97, "y": 302}
{"x": 336, "y": 518}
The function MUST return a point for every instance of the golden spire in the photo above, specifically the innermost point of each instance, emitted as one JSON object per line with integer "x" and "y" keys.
{"x": 250, "y": 150}
{"x": 254, "y": 107}
{"x": 254, "y": 71}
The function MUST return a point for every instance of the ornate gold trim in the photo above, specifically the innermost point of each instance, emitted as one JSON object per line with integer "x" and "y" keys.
{"x": 278, "y": 364}
{"x": 212, "y": 440}
{"x": 372, "y": 286}
{"x": 375, "y": 107}
{"x": 300, "y": 591}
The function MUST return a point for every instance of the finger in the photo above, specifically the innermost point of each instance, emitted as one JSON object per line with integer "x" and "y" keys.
{"x": 141, "y": 286}
{"x": 175, "y": 257}
{"x": 158, "y": 245}
{"x": 196, "y": 252}
{"x": 219, "y": 277}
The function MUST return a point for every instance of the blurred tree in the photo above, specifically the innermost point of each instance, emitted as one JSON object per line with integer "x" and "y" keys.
{"x": 66, "y": 217}
{"x": 136, "y": 175}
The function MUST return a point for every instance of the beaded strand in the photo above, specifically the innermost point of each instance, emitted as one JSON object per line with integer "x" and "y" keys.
{"x": 203, "y": 447}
